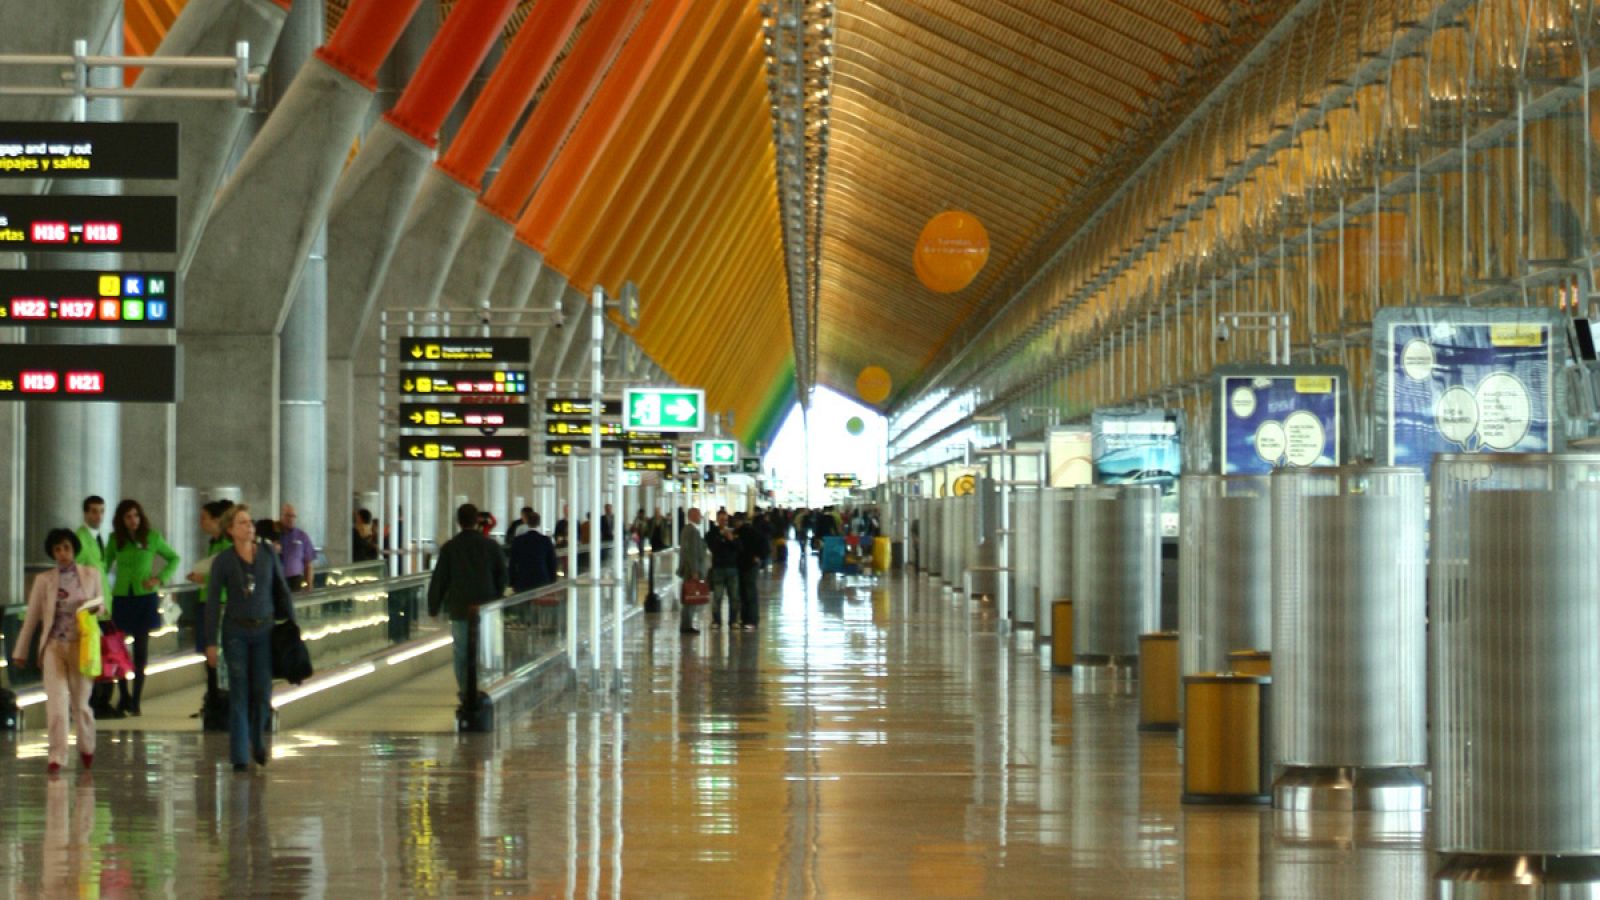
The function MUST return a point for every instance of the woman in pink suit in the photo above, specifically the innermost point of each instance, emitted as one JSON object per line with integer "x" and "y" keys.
{"x": 58, "y": 595}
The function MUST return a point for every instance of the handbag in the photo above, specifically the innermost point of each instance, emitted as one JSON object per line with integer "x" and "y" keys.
{"x": 291, "y": 661}
{"x": 696, "y": 592}
{"x": 115, "y": 663}
{"x": 88, "y": 643}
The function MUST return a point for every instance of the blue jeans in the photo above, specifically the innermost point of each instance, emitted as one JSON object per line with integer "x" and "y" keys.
{"x": 249, "y": 658}
{"x": 460, "y": 634}
{"x": 724, "y": 583}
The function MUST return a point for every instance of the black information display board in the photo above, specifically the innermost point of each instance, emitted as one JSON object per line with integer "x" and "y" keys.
{"x": 579, "y": 428}
{"x": 465, "y": 448}
{"x": 88, "y": 150}
{"x": 98, "y": 373}
{"x": 85, "y": 224}
{"x": 54, "y": 298}
{"x": 483, "y": 382}
{"x": 580, "y": 406}
{"x": 840, "y": 481}
{"x": 482, "y": 416}
{"x": 635, "y": 449}
{"x": 466, "y": 350}
{"x": 647, "y": 465}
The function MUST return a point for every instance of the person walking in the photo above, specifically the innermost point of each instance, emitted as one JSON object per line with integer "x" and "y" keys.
{"x": 471, "y": 571}
{"x": 533, "y": 557}
{"x": 363, "y": 537}
{"x": 299, "y": 553}
{"x": 91, "y": 542}
{"x": 753, "y": 551}
{"x": 691, "y": 564}
{"x": 135, "y": 606}
{"x": 58, "y": 595}
{"x": 724, "y": 546}
{"x": 251, "y": 575}
{"x": 525, "y": 519}
{"x": 213, "y": 522}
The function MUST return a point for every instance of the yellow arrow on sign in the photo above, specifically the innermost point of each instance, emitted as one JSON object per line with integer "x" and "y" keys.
{"x": 409, "y": 385}
{"x": 416, "y": 352}
{"x": 416, "y": 451}
{"x": 416, "y": 417}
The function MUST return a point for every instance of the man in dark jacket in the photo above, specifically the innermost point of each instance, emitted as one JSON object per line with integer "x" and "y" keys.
{"x": 724, "y": 547}
{"x": 533, "y": 557}
{"x": 753, "y": 548}
{"x": 471, "y": 571}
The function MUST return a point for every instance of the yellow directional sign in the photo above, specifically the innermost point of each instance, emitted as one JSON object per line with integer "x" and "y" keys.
{"x": 466, "y": 350}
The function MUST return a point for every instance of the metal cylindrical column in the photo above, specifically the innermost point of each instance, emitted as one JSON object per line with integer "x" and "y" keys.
{"x": 933, "y": 537}
{"x": 1515, "y": 664}
{"x": 1055, "y": 553}
{"x": 1349, "y": 652}
{"x": 1226, "y": 562}
{"x": 1025, "y": 556}
{"x": 1116, "y": 572}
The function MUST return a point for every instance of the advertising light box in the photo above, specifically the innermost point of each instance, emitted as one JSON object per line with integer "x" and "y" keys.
{"x": 1270, "y": 417}
{"x": 1466, "y": 380}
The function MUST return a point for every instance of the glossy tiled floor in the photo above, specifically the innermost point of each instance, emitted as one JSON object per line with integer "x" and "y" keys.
{"x": 868, "y": 741}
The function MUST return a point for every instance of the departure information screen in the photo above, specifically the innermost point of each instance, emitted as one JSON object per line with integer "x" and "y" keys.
{"x": 86, "y": 224}
{"x": 78, "y": 372}
{"x": 482, "y": 416}
{"x": 41, "y": 298}
{"x": 419, "y": 382}
{"x": 466, "y": 350}
{"x": 88, "y": 150}
{"x": 467, "y": 448}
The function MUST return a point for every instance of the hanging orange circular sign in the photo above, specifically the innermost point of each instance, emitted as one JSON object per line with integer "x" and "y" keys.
{"x": 873, "y": 385}
{"x": 951, "y": 251}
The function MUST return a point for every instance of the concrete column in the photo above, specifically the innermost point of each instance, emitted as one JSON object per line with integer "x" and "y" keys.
{"x": 51, "y": 28}
{"x": 75, "y": 449}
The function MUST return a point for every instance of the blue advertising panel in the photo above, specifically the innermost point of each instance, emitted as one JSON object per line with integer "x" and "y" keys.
{"x": 1141, "y": 446}
{"x": 1463, "y": 380}
{"x": 1271, "y": 417}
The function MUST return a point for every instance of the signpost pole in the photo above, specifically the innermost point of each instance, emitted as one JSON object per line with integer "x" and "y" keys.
{"x": 574, "y": 547}
{"x": 597, "y": 384}
{"x": 619, "y": 559}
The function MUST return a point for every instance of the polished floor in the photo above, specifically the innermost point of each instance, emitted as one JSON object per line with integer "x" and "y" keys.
{"x": 870, "y": 740}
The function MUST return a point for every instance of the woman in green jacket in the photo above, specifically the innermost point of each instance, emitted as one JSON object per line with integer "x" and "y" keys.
{"x": 135, "y": 606}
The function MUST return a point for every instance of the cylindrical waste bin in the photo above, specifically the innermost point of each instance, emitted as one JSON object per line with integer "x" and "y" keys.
{"x": 1349, "y": 650}
{"x": 1158, "y": 681}
{"x": 1116, "y": 571}
{"x": 1061, "y": 645}
{"x": 1515, "y": 639}
{"x": 1225, "y": 723}
{"x": 1250, "y": 662}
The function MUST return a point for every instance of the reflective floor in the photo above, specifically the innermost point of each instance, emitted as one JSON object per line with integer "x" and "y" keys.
{"x": 869, "y": 741}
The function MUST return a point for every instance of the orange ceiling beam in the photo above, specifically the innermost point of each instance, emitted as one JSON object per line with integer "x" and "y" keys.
{"x": 459, "y": 49}
{"x": 511, "y": 88}
{"x": 563, "y": 101}
{"x": 366, "y": 34}
{"x": 626, "y": 83}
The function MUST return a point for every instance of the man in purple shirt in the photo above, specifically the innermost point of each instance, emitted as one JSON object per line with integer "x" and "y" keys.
{"x": 299, "y": 554}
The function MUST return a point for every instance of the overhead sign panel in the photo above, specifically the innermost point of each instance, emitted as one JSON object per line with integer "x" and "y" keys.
{"x": 750, "y": 465}
{"x": 483, "y": 416}
{"x": 580, "y": 406}
{"x": 716, "y": 453}
{"x": 478, "y": 382}
{"x": 468, "y": 448}
{"x": 840, "y": 481}
{"x": 88, "y": 150}
{"x": 665, "y": 409}
{"x": 466, "y": 350}
{"x": 80, "y": 372}
{"x": 79, "y": 223}
{"x": 54, "y": 298}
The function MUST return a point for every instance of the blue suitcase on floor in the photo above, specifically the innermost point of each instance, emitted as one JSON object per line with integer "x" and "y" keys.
{"x": 833, "y": 554}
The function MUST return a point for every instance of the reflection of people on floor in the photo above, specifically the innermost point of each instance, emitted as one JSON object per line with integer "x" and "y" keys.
{"x": 65, "y": 853}
{"x": 250, "y": 866}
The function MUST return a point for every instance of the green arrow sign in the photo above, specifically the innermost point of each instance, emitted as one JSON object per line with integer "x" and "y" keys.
{"x": 664, "y": 409}
{"x": 716, "y": 453}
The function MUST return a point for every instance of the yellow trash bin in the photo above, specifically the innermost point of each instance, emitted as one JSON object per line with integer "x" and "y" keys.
{"x": 881, "y": 551}
{"x": 1251, "y": 662}
{"x": 1061, "y": 635}
{"x": 1158, "y": 681}
{"x": 1225, "y": 731}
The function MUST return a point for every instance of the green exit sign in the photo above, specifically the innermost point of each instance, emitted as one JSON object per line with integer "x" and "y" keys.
{"x": 664, "y": 409}
{"x": 716, "y": 453}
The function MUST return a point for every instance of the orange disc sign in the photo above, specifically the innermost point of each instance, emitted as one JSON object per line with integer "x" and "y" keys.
{"x": 873, "y": 385}
{"x": 951, "y": 251}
